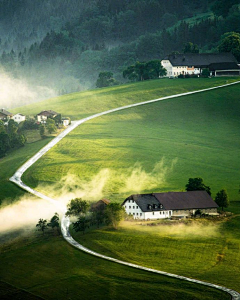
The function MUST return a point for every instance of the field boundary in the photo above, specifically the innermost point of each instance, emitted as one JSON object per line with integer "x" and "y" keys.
{"x": 65, "y": 222}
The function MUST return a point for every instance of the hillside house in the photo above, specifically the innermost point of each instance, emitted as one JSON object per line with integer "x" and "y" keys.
{"x": 19, "y": 118}
{"x": 5, "y": 115}
{"x": 65, "y": 122}
{"x": 45, "y": 114}
{"x": 193, "y": 63}
{"x": 100, "y": 205}
{"x": 166, "y": 205}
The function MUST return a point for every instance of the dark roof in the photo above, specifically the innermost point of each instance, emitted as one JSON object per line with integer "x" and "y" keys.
{"x": 144, "y": 200}
{"x": 5, "y": 112}
{"x": 186, "y": 200}
{"x": 200, "y": 59}
{"x": 47, "y": 113}
{"x": 224, "y": 66}
{"x": 100, "y": 205}
{"x": 174, "y": 200}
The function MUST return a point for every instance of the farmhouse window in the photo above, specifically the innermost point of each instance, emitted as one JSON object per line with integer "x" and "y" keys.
{"x": 133, "y": 207}
{"x": 129, "y": 206}
{"x": 153, "y": 212}
{"x": 140, "y": 214}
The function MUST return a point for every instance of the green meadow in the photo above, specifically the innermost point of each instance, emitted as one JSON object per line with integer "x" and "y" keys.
{"x": 49, "y": 268}
{"x": 204, "y": 249}
{"x": 151, "y": 148}
{"x": 155, "y": 147}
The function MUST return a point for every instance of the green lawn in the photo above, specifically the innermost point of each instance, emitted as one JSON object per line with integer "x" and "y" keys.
{"x": 9, "y": 165}
{"x": 203, "y": 250}
{"x": 150, "y": 148}
{"x": 79, "y": 105}
{"x": 156, "y": 147}
{"x": 50, "y": 268}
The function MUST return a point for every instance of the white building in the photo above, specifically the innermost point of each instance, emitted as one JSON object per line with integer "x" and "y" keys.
{"x": 166, "y": 205}
{"x": 19, "y": 118}
{"x": 194, "y": 63}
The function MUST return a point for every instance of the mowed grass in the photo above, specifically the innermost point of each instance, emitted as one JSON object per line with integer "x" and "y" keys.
{"x": 153, "y": 148}
{"x": 79, "y": 105}
{"x": 10, "y": 163}
{"x": 203, "y": 250}
{"x": 50, "y": 268}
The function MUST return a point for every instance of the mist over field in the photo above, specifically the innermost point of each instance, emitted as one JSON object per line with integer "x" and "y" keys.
{"x": 15, "y": 92}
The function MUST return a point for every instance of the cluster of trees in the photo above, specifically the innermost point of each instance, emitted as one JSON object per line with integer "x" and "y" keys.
{"x": 82, "y": 39}
{"x": 197, "y": 184}
{"x": 88, "y": 216}
{"x": 144, "y": 70}
{"x": 11, "y": 137}
{"x": 54, "y": 224}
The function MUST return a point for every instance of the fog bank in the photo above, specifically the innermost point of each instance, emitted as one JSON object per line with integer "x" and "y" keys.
{"x": 15, "y": 92}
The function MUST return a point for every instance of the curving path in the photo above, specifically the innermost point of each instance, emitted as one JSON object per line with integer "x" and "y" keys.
{"x": 65, "y": 222}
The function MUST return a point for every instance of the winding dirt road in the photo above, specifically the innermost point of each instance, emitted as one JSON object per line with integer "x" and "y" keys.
{"x": 65, "y": 222}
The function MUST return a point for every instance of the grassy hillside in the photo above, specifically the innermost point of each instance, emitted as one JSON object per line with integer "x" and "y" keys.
{"x": 50, "y": 268}
{"x": 10, "y": 163}
{"x": 79, "y": 105}
{"x": 156, "y": 147}
{"x": 204, "y": 250}
{"x": 176, "y": 134}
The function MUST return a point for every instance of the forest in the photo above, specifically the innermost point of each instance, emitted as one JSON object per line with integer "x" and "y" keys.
{"x": 65, "y": 44}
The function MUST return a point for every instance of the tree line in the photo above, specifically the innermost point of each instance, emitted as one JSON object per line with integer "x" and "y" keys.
{"x": 11, "y": 137}
{"x": 110, "y": 35}
{"x": 86, "y": 216}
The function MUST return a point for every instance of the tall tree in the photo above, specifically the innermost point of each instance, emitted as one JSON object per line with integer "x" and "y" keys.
{"x": 105, "y": 79}
{"x": 51, "y": 127}
{"x": 190, "y": 48}
{"x": 54, "y": 222}
{"x": 42, "y": 225}
{"x": 114, "y": 213}
{"x": 196, "y": 184}
{"x": 222, "y": 199}
{"x": 230, "y": 42}
{"x": 82, "y": 224}
{"x": 77, "y": 206}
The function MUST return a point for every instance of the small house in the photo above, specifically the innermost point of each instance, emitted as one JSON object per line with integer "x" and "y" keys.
{"x": 100, "y": 205}
{"x": 45, "y": 114}
{"x": 65, "y": 122}
{"x": 193, "y": 63}
{"x": 5, "y": 115}
{"x": 166, "y": 205}
{"x": 19, "y": 118}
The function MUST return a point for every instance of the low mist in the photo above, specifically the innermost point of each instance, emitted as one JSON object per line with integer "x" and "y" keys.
{"x": 25, "y": 213}
{"x": 15, "y": 92}
{"x": 115, "y": 184}
{"x": 112, "y": 183}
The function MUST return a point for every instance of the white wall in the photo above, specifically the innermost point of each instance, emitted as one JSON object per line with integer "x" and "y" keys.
{"x": 19, "y": 118}
{"x": 132, "y": 208}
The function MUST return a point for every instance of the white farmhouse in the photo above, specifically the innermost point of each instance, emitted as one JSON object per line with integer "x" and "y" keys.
{"x": 193, "y": 64}
{"x": 45, "y": 114}
{"x": 19, "y": 118}
{"x": 166, "y": 205}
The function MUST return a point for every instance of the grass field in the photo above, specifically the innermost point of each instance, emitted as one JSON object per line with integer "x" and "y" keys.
{"x": 203, "y": 249}
{"x": 9, "y": 164}
{"x": 155, "y": 146}
{"x": 50, "y": 268}
{"x": 151, "y": 148}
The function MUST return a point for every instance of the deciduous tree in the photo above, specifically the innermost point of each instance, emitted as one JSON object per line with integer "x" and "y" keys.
{"x": 114, "y": 213}
{"x": 77, "y": 206}
{"x": 42, "y": 225}
{"x": 222, "y": 199}
{"x": 196, "y": 184}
